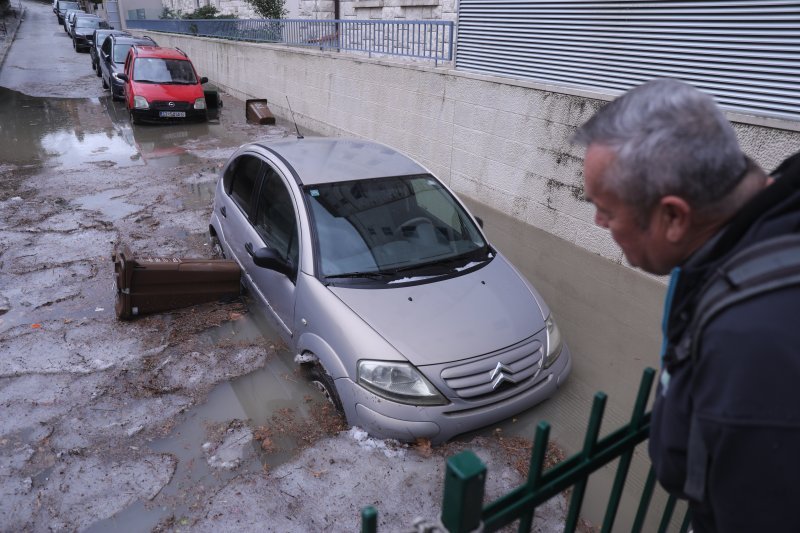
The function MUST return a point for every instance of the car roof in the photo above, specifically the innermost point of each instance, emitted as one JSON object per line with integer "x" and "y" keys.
{"x": 159, "y": 52}
{"x": 129, "y": 39}
{"x": 318, "y": 160}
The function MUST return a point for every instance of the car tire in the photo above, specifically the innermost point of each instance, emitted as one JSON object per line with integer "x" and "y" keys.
{"x": 217, "y": 251}
{"x": 323, "y": 382}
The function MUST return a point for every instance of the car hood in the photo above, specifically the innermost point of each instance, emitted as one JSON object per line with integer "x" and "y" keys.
{"x": 461, "y": 317}
{"x": 177, "y": 93}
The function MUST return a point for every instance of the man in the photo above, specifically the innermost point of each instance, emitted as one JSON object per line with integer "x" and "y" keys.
{"x": 667, "y": 177}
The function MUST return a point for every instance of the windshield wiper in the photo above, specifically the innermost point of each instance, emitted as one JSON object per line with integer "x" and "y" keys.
{"x": 374, "y": 274}
{"x": 477, "y": 256}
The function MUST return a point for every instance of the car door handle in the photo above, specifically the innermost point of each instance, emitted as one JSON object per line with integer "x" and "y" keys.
{"x": 223, "y": 211}
{"x": 248, "y": 246}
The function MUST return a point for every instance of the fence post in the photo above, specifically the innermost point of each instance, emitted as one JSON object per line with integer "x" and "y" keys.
{"x": 463, "y": 492}
{"x": 369, "y": 520}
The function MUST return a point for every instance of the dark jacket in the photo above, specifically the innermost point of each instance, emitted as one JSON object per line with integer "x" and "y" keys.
{"x": 740, "y": 397}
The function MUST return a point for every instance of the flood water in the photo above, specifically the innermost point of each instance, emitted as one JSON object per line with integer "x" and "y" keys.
{"x": 609, "y": 315}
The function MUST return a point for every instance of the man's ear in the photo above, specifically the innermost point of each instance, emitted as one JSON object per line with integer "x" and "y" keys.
{"x": 675, "y": 217}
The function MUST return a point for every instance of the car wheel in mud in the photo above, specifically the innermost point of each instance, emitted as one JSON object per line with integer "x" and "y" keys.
{"x": 320, "y": 379}
{"x": 216, "y": 248}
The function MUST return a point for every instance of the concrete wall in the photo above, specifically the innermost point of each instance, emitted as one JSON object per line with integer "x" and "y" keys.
{"x": 502, "y": 142}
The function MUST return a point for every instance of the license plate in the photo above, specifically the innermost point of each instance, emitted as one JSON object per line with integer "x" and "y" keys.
{"x": 172, "y": 114}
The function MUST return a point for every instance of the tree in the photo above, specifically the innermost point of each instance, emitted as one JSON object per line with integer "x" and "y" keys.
{"x": 269, "y": 9}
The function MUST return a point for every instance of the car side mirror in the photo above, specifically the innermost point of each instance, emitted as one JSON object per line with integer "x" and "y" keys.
{"x": 203, "y": 80}
{"x": 268, "y": 258}
{"x": 122, "y": 76}
{"x": 479, "y": 220}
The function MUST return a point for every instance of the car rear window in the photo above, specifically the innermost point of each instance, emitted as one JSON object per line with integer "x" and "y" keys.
{"x": 157, "y": 70}
{"x": 90, "y": 23}
{"x": 121, "y": 52}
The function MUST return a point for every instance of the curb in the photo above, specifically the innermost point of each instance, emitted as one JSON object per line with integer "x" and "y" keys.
{"x": 11, "y": 34}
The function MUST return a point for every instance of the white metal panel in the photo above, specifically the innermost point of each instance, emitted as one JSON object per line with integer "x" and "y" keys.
{"x": 745, "y": 53}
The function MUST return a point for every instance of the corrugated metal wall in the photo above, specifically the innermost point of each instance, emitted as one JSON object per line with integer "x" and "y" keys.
{"x": 746, "y": 53}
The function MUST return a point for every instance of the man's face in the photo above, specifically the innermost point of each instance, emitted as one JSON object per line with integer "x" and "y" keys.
{"x": 643, "y": 246}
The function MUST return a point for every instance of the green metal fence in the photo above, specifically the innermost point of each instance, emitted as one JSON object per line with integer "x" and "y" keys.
{"x": 462, "y": 509}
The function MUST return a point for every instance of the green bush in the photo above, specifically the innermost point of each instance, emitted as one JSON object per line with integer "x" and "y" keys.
{"x": 269, "y": 9}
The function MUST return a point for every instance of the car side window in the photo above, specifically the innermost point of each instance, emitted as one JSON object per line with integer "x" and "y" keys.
{"x": 107, "y": 46}
{"x": 276, "y": 221}
{"x": 240, "y": 180}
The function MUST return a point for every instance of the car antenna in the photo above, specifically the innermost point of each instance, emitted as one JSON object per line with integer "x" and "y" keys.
{"x": 293, "y": 120}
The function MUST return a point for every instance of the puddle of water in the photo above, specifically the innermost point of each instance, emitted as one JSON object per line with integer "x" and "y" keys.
{"x": 76, "y": 132}
{"x": 257, "y": 397}
{"x": 109, "y": 203}
{"x": 68, "y": 132}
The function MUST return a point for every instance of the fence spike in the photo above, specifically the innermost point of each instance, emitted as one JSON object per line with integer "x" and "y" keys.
{"x": 464, "y": 481}
{"x": 589, "y": 442}
{"x": 369, "y": 520}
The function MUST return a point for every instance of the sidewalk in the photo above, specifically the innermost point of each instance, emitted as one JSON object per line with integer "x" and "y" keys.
{"x": 10, "y": 21}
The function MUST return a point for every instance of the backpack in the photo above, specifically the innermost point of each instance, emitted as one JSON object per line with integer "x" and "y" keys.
{"x": 760, "y": 268}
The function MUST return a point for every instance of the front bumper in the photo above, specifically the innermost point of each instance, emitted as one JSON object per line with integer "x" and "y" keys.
{"x": 382, "y": 418}
{"x": 153, "y": 115}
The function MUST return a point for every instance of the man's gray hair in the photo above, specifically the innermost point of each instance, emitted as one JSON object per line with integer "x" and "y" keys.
{"x": 669, "y": 138}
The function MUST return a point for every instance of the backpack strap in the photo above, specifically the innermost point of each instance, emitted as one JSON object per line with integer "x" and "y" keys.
{"x": 763, "y": 267}
{"x": 758, "y": 269}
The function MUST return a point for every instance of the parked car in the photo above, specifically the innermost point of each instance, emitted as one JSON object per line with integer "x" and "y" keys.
{"x": 162, "y": 84}
{"x": 68, "y": 18}
{"x": 112, "y": 60}
{"x": 62, "y": 7}
{"x": 98, "y": 37}
{"x": 83, "y": 31}
{"x": 385, "y": 287}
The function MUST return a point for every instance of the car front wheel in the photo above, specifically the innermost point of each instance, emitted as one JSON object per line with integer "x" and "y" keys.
{"x": 323, "y": 382}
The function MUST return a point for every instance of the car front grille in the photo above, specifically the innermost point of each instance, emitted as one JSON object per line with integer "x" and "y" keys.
{"x": 159, "y": 105}
{"x": 496, "y": 373}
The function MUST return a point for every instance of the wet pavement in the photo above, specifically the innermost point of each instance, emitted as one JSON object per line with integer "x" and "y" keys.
{"x": 183, "y": 408}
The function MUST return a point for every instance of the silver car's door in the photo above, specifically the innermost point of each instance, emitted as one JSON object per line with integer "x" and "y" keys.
{"x": 240, "y": 181}
{"x": 276, "y": 226}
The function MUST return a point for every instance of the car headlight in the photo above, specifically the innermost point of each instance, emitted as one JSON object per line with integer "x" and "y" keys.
{"x": 554, "y": 343}
{"x": 140, "y": 102}
{"x": 114, "y": 75}
{"x": 200, "y": 103}
{"x": 399, "y": 382}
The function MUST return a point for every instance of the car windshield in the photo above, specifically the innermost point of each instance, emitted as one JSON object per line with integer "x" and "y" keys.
{"x": 157, "y": 70}
{"x": 64, "y": 6}
{"x": 386, "y": 226}
{"x": 84, "y": 22}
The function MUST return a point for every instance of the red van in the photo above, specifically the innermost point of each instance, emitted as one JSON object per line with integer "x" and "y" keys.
{"x": 162, "y": 84}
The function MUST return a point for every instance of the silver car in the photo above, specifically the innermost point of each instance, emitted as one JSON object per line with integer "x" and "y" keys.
{"x": 385, "y": 287}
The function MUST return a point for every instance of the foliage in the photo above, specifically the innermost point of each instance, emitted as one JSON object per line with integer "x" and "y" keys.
{"x": 269, "y": 9}
{"x": 204, "y": 13}
{"x": 167, "y": 13}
